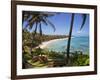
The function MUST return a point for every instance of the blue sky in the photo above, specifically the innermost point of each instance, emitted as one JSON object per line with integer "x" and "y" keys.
{"x": 62, "y": 24}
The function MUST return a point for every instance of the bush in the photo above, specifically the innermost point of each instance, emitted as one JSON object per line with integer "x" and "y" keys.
{"x": 26, "y": 50}
{"x": 80, "y": 59}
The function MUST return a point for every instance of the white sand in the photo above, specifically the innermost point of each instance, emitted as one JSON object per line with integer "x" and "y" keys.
{"x": 44, "y": 44}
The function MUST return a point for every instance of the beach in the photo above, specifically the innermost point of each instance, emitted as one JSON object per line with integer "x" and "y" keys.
{"x": 60, "y": 45}
{"x": 44, "y": 44}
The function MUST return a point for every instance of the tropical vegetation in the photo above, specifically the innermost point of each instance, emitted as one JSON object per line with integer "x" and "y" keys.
{"x": 34, "y": 57}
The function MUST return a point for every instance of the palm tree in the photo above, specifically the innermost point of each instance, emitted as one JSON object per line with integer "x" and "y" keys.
{"x": 37, "y": 19}
{"x": 70, "y": 35}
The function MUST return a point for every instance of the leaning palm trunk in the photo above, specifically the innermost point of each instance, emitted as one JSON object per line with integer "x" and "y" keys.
{"x": 69, "y": 40}
{"x": 33, "y": 36}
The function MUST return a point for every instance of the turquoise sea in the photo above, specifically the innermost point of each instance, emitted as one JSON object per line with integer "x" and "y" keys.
{"x": 77, "y": 44}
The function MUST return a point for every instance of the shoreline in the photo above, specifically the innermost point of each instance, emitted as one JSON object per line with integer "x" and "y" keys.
{"x": 44, "y": 44}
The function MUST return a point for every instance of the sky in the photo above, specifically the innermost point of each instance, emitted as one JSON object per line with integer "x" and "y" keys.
{"x": 62, "y": 24}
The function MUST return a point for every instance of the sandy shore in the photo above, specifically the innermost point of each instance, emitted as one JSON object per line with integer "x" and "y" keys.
{"x": 44, "y": 44}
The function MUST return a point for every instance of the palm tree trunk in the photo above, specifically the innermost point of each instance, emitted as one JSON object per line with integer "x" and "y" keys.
{"x": 33, "y": 38}
{"x": 69, "y": 39}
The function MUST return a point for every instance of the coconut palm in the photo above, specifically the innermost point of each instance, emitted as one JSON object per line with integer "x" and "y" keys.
{"x": 70, "y": 35}
{"x": 36, "y": 19}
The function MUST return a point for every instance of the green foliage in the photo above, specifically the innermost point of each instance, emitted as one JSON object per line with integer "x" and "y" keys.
{"x": 26, "y": 50}
{"x": 56, "y": 55}
{"x": 37, "y": 51}
{"x": 37, "y": 19}
{"x": 37, "y": 64}
{"x": 27, "y": 56}
{"x": 79, "y": 59}
{"x": 31, "y": 40}
{"x": 44, "y": 58}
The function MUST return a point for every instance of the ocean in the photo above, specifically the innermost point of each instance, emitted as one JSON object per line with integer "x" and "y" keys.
{"x": 77, "y": 44}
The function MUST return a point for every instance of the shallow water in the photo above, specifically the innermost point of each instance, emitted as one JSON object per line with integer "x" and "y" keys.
{"x": 77, "y": 44}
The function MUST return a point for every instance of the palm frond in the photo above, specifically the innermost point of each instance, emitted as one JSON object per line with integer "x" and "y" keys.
{"x": 26, "y": 16}
{"x": 33, "y": 19}
{"x": 26, "y": 25}
{"x": 47, "y": 14}
{"x": 38, "y": 18}
{"x": 44, "y": 21}
{"x": 84, "y": 20}
{"x": 31, "y": 25}
{"x": 53, "y": 26}
{"x": 31, "y": 22}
